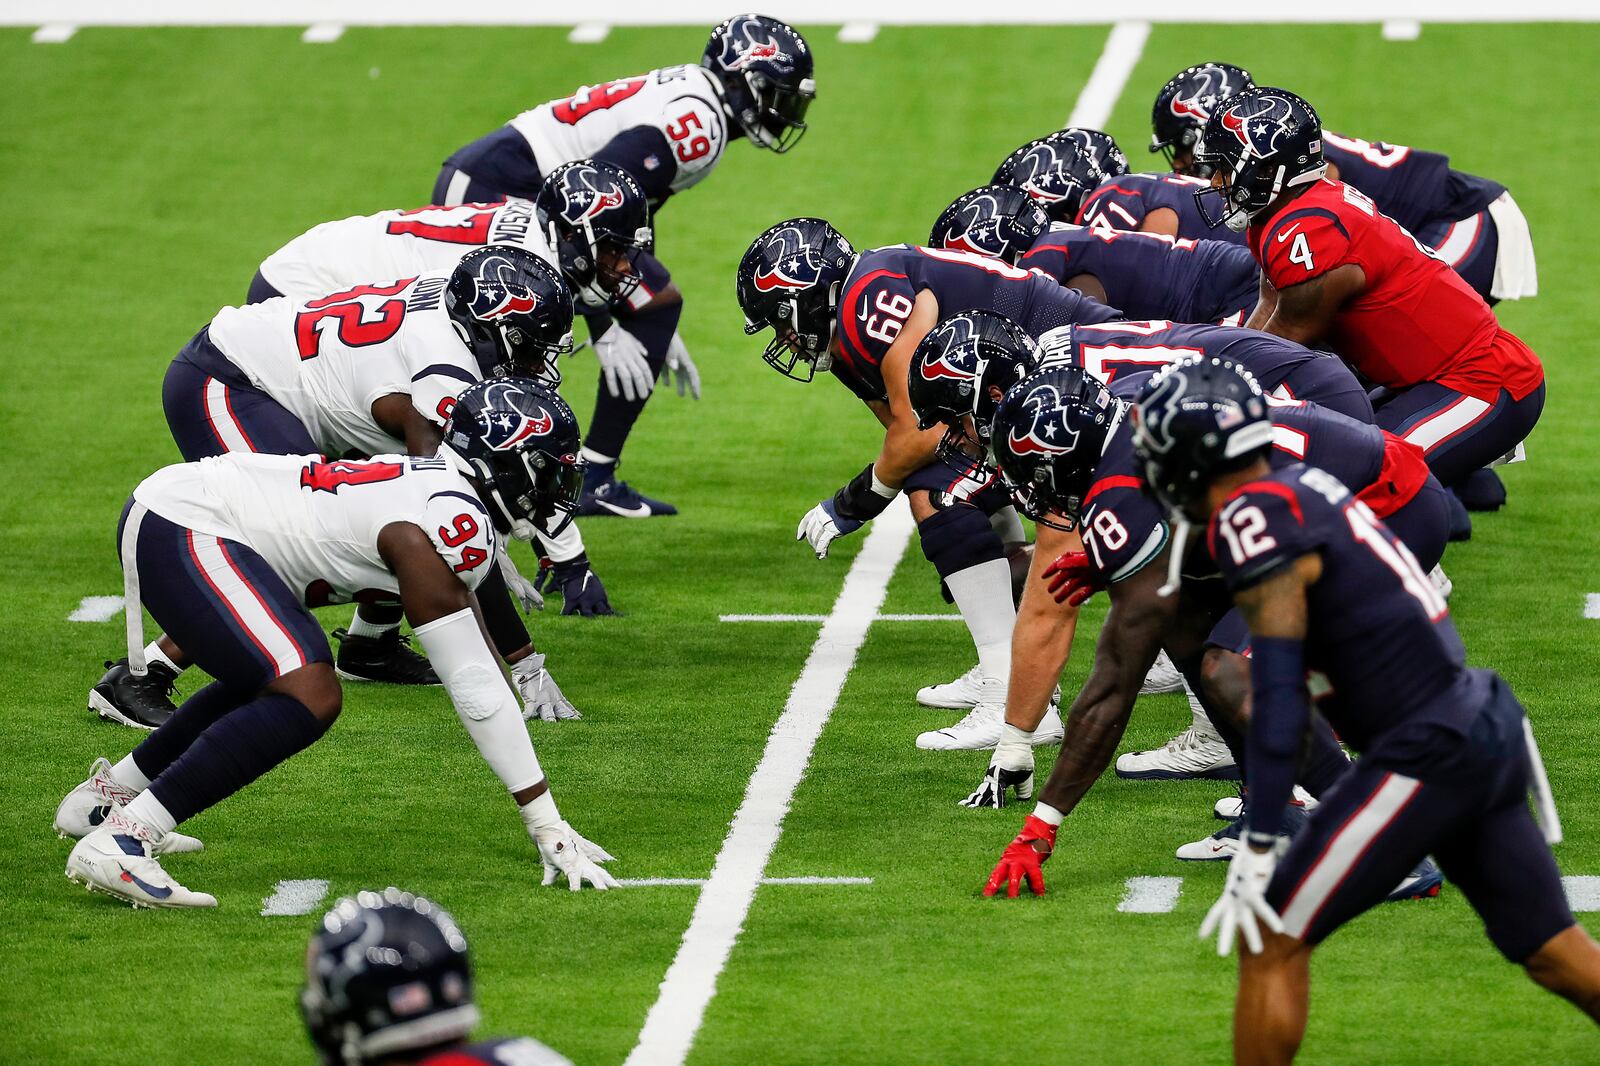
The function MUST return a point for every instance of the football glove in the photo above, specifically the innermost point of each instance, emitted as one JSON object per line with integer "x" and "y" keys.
{"x": 525, "y": 591}
{"x": 1071, "y": 581}
{"x": 1244, "y": 900}
{"x": 680, "y": 369}
{"x": 1010, "y": 768}
{"x": 580, "y": 587}
{"x": 623, "y": 363}
{"x": 822, "y": 524}
{"x": 542, "y": 698}
{"x": 1022, "y": 861}
{"x": 565, "y": 853}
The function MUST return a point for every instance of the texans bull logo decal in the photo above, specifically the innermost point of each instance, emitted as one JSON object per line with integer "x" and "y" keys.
{"x": 757, "y": 51}
{"x": 1259, "y": 123}
{"x": 792, "y": 262}
{"x": 1210, "y": 87}
{"x": 602, "y": 201}
{"x": 505, "y": 426}
{"x": 958, "y": 356}
{"x": 1048, "y": 432}
{"x": 981, "y": 234}
{"x": 498, "y": 292}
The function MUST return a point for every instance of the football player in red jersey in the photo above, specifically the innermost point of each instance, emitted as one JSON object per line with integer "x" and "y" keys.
{"x": 1336, "y": 271}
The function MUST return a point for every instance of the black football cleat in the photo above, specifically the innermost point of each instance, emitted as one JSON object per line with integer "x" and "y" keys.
{"x": 389, "y": 658}
{"x": 138, "y": 702}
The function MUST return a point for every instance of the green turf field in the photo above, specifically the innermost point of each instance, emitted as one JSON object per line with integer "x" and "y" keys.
{"x": 147, "y": 172}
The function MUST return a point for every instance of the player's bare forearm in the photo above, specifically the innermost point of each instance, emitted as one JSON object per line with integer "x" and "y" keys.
{"x": 1128, "y": 643}
{"x": 1266, "y": 303}
{"x": 1305, "y": 313}
{"x": 1041, "y": 641}
{"x": 906, "y": 449}
{"x": 1161, "y": 220}
{"x": 1090, "y": 286}
{"x": 397, "y": 416}
{"x": 1276, "y": 607}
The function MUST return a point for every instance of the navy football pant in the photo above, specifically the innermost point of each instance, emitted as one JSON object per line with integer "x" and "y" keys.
{"x": 496, "y": 165}
{"x": 455, "y": 187}
{"x": 1469, "y": 245}
{"x": 614, "y": 416}
{"x": 212, "y": 408}
{"x": 1458, "y": 433}
{"x": 260, "y": 290}
{"x": 1421, "y": 791}
{"x": 1327, "y": 382}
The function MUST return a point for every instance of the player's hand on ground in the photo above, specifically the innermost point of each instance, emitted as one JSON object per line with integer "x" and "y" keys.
{"x": 822, "y": 525}
{"x": 1023, "y": 860}
{"x": 998, "y": 781}
{"x": 680, "y": 369}
{"x": 567, "y": 854}
{"x": 542, "y": 698}
{"x": 524, "y": 591}
{"x": 623, "y": 364}
{"x": 1244, "y": 901}
{"x": 1071, "y": 580}
{"x": 580, "y": 587}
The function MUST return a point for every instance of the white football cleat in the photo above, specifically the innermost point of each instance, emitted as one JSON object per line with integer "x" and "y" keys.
{"x": 117, "y": 859}
{"x": 1191, "y": 754}
{"x": 83, "y": 810}
{"x": 1230, "y": 807}
{"x": 967, "y": 691}
{"x": 1441, "y": 581}
{"x": 1163, "y": 677}
{"x": 980, "y": 730}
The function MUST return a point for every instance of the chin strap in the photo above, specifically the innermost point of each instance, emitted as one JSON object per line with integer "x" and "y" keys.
{"x": 1180, "y": 541}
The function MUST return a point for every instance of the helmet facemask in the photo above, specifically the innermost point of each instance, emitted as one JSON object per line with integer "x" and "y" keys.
{"x": 772, "y": 115}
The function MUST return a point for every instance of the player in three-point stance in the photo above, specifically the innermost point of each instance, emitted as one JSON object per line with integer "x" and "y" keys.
{"x": 668, "y": 128}
{"x": 861, "y": 317}
{"x": 389, "y": 980}
{"x": 1341, "y": 613}
{"x": 229, "y": 554}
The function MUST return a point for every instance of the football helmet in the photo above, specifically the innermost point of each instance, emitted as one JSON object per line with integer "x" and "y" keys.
{"x": 519, "y": 440}
{"x": 386, "y": 973}
{"x": 1184, "y": 104}
{"x": 789, "y": 278}
{"x": 995, "y": 220}
{"x": 951, "y": 370}
{"x": 597, "y": 219}
{"x": 1101, "y": 148}
{"x": 513, "y": 310}
{"x": 1264, "y": 140}
{"x": 765, "y": 69}
{"x": 1054, "y": 171}
{"x": 1048, "y": 435}
{"x": 1194, "y": 420}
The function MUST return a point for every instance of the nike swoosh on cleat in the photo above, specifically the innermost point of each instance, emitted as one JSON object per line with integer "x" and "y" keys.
{"x": 641, "y": 511}
{"x": 145, "y": 886}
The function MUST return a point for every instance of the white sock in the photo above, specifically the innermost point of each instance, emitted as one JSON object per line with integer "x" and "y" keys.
{"x": 1202, "y": 721}
{"x": 983, "y": 596}
{"x": 360, "y": 627}
{"x": 127, "y": 774}
{"x": 1008, "y": 526}
{"x": 154, "y": 654}
{"x": 148, "y": 812}
{"x": 589, "y": 455}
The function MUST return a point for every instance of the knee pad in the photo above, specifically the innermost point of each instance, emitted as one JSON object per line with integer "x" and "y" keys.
{"x": 957, "y": 537}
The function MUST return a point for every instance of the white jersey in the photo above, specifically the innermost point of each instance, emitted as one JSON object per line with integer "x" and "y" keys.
{"x": 328, "y": 359}
{"x": 683, "y": 103}
{"x": 316, "y": 523}
{"x": 399, "y": 244}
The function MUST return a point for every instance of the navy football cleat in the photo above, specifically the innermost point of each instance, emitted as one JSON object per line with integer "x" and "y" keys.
{"x": 1423, "y": 882}
{"x": 609, "y": 497}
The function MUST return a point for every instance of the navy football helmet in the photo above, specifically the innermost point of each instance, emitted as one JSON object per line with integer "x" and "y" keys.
{"x": 386, "y": 974}
{"x": 1194, "y": 420}
{"x": 1264, "y": 141}
{"x": 789, "y": 278}
{"x": 765, "y": 68}
{"x": 1049, "y": 432}
{"x": 597, "y": 219}
{"x": 1185, "y": 103}
{"x": 995, "y": 220}
{"x": 1101, "y": 148}
{"x": 952, "y": 371}
{"x": 1054, "y": 172}
{"x": 513, "y": 310}
{"x": 519, "y": 440}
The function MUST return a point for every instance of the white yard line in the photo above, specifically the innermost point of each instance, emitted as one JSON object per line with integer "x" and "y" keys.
{"x": 1401, "y": 30}
{"x": 1583, "y": 893}
{"x": 680, "y": 882}
{"x": 589, "y": 33}
{"x": 1121, "y": 53}
{"x": 817, "y": 619}
{"x": 96, "y": 609}
{"x": 670, "y": 1027}
{"x": 294, "y": 897}
{"x": 1591, "y": 605}
{"x": 858, "y": 32}
{"x": 54, "y": 33}
{"x": 1150, "y": 895}
{"x": 323, "y": 33}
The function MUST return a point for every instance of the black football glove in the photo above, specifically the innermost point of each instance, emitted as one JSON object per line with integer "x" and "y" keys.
{"x": 580, "y": 587}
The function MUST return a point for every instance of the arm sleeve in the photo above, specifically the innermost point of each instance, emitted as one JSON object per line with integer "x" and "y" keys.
{"x": 1278, "y": 720}
{"x": 483, "y": 697}
{"x": 644, "y": 152}
{"x": 1302, "y": 245}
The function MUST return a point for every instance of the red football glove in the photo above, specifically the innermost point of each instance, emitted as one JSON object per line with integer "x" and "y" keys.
{"x": 1071, "y": 581}
{"x": 1021, "y": 859}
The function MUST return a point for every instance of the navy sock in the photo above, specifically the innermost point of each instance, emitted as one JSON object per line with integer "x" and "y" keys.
{"x": 957, "y": 538}
{"x": 614, "y": 416}
{"x": 1325, "y": 761}
{"x": 238, "y": 748}
{"x": 163, "y": 747}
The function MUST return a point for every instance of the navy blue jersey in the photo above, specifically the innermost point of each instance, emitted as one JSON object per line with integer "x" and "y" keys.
{"x": 1409, "y": 185}
{"x": 1124, "y": 201}
{"x": 1380, "y": 649}
{"x": 515, "y": 1051}
{"x": 882, "y": 288}
{"x": 1152, "y": 275}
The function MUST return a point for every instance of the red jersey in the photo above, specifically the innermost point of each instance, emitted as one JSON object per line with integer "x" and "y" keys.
{"x": 1416, "y": 320}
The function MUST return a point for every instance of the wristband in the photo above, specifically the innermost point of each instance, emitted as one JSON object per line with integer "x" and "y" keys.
{"x": 599, "y": 323}
{"x": 1048, "y": 814}
{"x": 862, "y": 500}
{"x": 541, "y": 813}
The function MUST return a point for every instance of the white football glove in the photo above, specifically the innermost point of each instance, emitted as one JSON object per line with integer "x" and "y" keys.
{"x": 680, "y": 368}
{"x": 1010, "y": 768}
{"x": 527, "y": 595}
{"x": 822, "y": 525}
{"x": 541, "y": 696}
{"x": 1244, "y": 900}
{"x": 622, "y": 360}
{"x": 564, "y": 852}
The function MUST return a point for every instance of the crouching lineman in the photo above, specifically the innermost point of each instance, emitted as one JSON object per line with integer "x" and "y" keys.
{"x": 405, "y": 994}
{"x": 1339, "y": 610}
{"x": 369, "y": 370}
{"x": 229, "y": 553}
{"x": 861, "y": 316}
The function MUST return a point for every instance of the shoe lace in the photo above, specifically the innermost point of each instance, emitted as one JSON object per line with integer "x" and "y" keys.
{"x": 1187, "y": 740}
{"x": 979, "y": 715}
{"x": 104, "y": 786}
{"x": 157, "y": 678}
